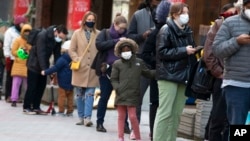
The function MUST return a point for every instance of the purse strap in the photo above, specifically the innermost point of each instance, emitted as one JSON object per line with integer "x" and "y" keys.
{"x": 91, "y": 39}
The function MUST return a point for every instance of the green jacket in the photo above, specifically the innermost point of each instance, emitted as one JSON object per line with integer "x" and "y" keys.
{"x": 125, "y": 78}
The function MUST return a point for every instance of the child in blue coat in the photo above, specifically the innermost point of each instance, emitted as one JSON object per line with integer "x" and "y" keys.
{"x": 64, "y": 76}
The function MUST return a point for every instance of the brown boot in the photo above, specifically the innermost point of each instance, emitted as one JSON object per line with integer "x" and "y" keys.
{"x": 8, "y": 100}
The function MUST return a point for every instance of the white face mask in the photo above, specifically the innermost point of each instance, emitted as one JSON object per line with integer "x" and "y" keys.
{"x": 183, "y": 19}
{"x": 247, "y": 12}
{"x": 126, "y": 55}
{"x": 58, "y": 39}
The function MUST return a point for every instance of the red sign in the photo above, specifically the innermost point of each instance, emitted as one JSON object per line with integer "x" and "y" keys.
{"x": 20, "y": 7}
{"x": 76, "y": 10}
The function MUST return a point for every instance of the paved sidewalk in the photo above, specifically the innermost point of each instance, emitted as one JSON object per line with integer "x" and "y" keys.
{"x": 16, "y": 126}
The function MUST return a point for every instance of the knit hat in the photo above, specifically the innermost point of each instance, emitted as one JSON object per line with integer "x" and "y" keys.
{"x": 245, "y": 2}
{"x": 162, "y": 11}
{"x": 19, "y": 19}
{"x": 66, "y": 45}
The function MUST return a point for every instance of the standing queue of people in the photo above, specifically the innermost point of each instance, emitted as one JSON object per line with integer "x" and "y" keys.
{"x": 158, "y": 44}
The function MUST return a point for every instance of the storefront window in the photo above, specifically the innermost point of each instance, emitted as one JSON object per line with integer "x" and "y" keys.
{"x": 120, "y": 6}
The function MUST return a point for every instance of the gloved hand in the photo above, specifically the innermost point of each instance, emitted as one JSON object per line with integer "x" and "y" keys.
{"x": 104, "y": 67}
{"x": 8, "y": 63}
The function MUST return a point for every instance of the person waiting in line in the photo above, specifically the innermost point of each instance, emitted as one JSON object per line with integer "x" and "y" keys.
{"x": 83, "y": 49}
{"x": 2, "y": 65}
{"x": 217, "y": 123}
{"x": 48, "y": 42}
{"x": 105, "y": 43}
{"x": 232, "y": 43}
{"x": 64, "y": 76}
{"x": 175, "y": 56}
{"x": 20, "y": 50}
{"x": 11, "y": 33}
{"x": 125, "y": 69}
{"x": 149, "y": 56}
{"x": 141, "y": 25}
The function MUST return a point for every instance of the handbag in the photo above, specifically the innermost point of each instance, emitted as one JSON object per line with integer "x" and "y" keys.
{"x": 75, "y": 65}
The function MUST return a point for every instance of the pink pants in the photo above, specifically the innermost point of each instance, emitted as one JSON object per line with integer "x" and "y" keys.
{"x": 122, "y": 111}
{"x": 16, "y": 83}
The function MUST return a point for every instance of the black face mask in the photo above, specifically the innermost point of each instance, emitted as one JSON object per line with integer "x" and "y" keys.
{"x": 90, "y": 24}
{"x": 18, "y": 28}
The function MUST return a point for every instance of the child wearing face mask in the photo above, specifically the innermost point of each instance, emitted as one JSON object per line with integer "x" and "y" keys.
{"x": 19, "y": 50}
{"x": 125, "y": 69}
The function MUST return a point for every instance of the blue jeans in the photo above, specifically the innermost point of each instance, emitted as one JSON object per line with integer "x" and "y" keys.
{"x": 238, "y": 104}
{"x": 84, "y": 101}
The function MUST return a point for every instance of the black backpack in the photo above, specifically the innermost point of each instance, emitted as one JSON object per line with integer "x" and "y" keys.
{"x": 33, "y": 35}
{"x": 200, "y": 84}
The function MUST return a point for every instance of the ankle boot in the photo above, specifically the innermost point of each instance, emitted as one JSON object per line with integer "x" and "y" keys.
{"x": 100, "y": 128}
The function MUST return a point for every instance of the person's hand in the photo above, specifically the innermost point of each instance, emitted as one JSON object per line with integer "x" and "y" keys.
{"x": 8, "y": 63}
{"x": 104, "y": 67}
{"x": 221, "y": 76}
{"x": 243, "y": 39}
{"x": 42, "y": 72}
{"x": 122, "y": 38}
{"x": 146, "y": 33}
{"x": 190, "y": 50}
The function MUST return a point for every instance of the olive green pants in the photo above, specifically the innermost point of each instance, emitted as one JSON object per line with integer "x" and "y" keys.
{"x": 171, "y": 103}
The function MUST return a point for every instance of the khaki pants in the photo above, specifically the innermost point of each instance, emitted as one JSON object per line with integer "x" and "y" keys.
{"x": 65, "y": 96}
{"x": 171, "y": 103}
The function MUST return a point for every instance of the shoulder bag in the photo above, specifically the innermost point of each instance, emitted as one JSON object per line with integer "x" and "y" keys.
{"x": 75, "y": 65}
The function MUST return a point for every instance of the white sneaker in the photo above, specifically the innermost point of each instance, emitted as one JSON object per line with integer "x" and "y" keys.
{"x": 61, "y": 114}
{"x": 29, "y": 112}
{"x": 87, "y": 122}
{"x": 132, "y": 135}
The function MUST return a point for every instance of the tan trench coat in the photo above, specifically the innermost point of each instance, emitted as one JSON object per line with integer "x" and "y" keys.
{"x": 85, "y": 76}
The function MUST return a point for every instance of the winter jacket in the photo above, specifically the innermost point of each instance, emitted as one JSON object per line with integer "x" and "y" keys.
{"x": 9, "y": 36}
{"x": 64, "y": 73}
{"x": 44, "y": 47}
{"x": 213, "y": 63}
{"x": 236, "y": 57}
{"x": 172, "y": 62}
{"x": 19, "y": 67}
{"x": 125, "y": 76}
{"x": 85, "y": 76}
{"x": 141, "y": 21}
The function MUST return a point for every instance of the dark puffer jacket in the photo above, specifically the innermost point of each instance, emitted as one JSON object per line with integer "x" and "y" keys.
{"x": 172, "y": 62}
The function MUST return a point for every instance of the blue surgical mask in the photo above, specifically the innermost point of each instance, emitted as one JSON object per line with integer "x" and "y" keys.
{"x": 58, "y": 39}
{"x": 90, "y": 24}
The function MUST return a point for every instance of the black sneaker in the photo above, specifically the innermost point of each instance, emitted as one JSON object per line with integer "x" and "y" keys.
{"x": 13, "y": 104}
{"x": 100, "y": 128}
{"x": 29, "y": 112}
{"x": 40, "y": 112}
